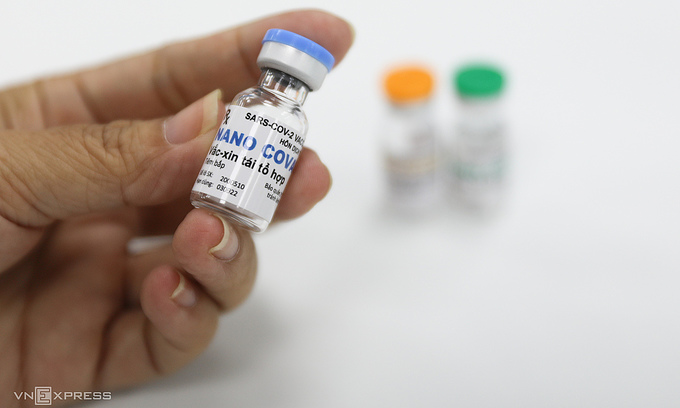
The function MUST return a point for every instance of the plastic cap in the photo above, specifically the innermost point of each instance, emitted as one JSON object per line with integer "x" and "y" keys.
{"x": 409, "y": 84}
{"x": 296, "y": 56}
{"x": 301, "y": 43}
{"x": 478, "y": 81}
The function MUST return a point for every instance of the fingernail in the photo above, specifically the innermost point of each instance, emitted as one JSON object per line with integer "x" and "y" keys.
{"x": 228, "y": 247}
{"x": 183, "y": 294}
{"x": 184, "y": 126}
{"x": 211, "y": 111}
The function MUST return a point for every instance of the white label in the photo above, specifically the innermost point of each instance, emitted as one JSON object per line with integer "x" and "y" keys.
{"x": 250, "y": 161}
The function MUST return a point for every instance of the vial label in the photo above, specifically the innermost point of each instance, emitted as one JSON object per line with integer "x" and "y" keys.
{"x": 412, "y": 181}
{"x": 479, "y": 180}
{"x": 250, "y": 161}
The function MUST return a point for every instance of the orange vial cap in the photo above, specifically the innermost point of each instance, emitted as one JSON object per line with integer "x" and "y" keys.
{"x": 408, "y": 84}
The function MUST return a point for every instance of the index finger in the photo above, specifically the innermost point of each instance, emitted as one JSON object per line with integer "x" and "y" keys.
{"x": 164, "y": 81}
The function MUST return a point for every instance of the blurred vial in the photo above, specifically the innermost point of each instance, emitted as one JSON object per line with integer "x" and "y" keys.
{"x": 478, "y": 158}
{"x": 409, "y": 143}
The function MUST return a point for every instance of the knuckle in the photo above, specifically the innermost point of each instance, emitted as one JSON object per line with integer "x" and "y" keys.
{"x": 21, "y": 106}
{"x": 169, "y": 90}
{"x": 20, "y": 186}
{"x": 111, "y": 149}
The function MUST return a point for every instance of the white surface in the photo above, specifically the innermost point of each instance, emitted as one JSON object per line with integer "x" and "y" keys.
{"x": 567, "y": 298}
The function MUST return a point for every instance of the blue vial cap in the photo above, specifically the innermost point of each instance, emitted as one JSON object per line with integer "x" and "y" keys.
{"x": 301, "y": 43}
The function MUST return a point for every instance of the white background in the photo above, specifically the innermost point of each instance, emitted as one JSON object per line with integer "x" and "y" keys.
{"x": 567, "y": 298}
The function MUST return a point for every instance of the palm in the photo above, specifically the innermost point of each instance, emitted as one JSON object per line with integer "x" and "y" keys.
{"x": 79, "y": 300}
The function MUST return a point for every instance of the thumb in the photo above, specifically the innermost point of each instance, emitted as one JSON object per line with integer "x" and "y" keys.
{"x": 59, "y": 172}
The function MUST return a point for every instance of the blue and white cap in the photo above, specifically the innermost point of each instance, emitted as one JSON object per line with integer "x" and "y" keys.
{"x": 297, "y": 56}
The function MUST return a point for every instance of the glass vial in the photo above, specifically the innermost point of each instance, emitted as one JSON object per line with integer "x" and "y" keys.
{"x": 257, "y": 145}
{"x": 409, "y": 143}
{"x": 479, "y": 156}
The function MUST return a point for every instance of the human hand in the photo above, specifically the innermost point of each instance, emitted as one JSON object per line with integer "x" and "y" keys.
{"x": 88, "y": 161}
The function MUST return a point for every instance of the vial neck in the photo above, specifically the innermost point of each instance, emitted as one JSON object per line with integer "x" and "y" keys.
{"x": 413, "y": 109}
{"x": 283, "y": 85}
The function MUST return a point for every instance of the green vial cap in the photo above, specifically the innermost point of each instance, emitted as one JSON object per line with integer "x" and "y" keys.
{"x": 478, "y": 81}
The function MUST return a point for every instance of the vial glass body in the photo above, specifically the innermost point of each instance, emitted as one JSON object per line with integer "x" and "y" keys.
{"x": 254, "y": 151}
{"x": 479, "y": 153}
{"x": 409, "y": 150}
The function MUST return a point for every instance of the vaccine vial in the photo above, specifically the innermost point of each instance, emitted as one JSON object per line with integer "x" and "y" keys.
{"x": 258, "y": 143}
{"x": 479, "y": 157}
{"x": 409, "y": 142}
